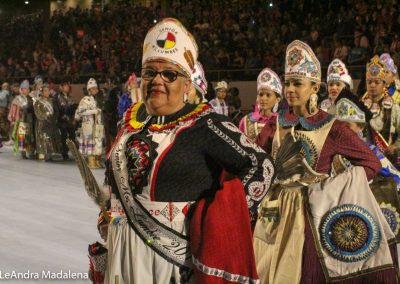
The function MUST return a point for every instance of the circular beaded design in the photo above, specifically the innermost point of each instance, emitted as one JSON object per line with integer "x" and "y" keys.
{"x": 349, "y": 233}
{"x": 391, "y": 216}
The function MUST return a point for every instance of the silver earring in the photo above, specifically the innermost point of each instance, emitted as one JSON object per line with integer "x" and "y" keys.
{"x": 185, "y": 97}
{"x": 275, "y": 108}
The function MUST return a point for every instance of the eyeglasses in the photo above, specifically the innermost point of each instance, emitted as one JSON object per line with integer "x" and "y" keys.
{"x": 168, "y": 76}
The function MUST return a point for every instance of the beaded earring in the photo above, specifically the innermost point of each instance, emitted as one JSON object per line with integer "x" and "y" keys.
{"x": 313, "y": 103}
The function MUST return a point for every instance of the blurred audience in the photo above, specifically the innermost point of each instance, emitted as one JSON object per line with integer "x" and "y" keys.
{"x": 245, "y": 36}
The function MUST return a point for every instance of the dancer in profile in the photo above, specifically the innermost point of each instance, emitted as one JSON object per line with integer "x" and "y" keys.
{"x": 313, "y": 228}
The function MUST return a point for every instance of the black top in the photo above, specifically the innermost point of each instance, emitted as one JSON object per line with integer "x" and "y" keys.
{"x": 65, "y": 108}
{"x": 181, "y": 157}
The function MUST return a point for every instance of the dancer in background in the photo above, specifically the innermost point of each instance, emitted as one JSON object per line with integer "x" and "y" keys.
{"x": 392, "y": 77}
{"x": 5, "y": 99}
{"x": 386, "y": 113}
{"x": 337, "y": 80}
{"x": 91, "y": 133}
{"x": 131, "y": 96}
{"x": 219, "y": 104}
{"x": 385, "y": 185}
{"x": 269, "y": 89}
{"x": 46, "y": 132}
{"x": 22, "y": 117}
{"x": 65, "y": 110}
{"x": 199, "y": 86}
{"x": 37, "y": 87}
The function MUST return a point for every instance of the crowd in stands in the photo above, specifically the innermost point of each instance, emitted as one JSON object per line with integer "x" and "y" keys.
{"x": 246, "y": 35}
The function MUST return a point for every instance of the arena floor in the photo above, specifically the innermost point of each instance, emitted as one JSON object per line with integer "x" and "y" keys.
{"x": 47, "y": 220}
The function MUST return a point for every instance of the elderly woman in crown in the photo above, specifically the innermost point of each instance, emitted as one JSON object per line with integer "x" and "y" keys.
{"x": 165, "y": 179}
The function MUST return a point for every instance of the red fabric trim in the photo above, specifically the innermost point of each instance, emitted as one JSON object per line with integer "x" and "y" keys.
{"x": 157, "y": 166}
{"x": 171, "y": 216}
{"x": 185, "y": 210}
{"x": 220, "y": 234}
{"x": 97, "y": 277}
{"x": 379, "y": 141}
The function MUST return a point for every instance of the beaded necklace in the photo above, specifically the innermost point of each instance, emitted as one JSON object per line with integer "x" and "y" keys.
{"x": 375, "y": 107}
{"x": 287, "y": 119}
{"x": 132, "y": 123}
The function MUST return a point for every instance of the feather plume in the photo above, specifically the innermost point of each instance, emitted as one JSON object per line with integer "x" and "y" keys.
{"x": 291, "y": 166}
{"x": 288, "y": 161}
{"x": 91, "y": 185}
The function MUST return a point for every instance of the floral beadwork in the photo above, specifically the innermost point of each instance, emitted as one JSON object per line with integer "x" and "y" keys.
{"x": 266, "y": 77}
{"x": 140, "y": 154}
{"x": 385, "y": 102}
{"x": 295, "y": 57}
{"x": 349, "y": 233}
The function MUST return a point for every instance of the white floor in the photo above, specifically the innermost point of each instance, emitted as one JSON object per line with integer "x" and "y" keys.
{"x": 47, "y": 220}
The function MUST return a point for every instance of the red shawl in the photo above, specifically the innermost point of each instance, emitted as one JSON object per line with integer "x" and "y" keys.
{"x": 221, "y": 238}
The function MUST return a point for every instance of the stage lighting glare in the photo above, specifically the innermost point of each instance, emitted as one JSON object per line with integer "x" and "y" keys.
{"x": 26, "y": 2}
